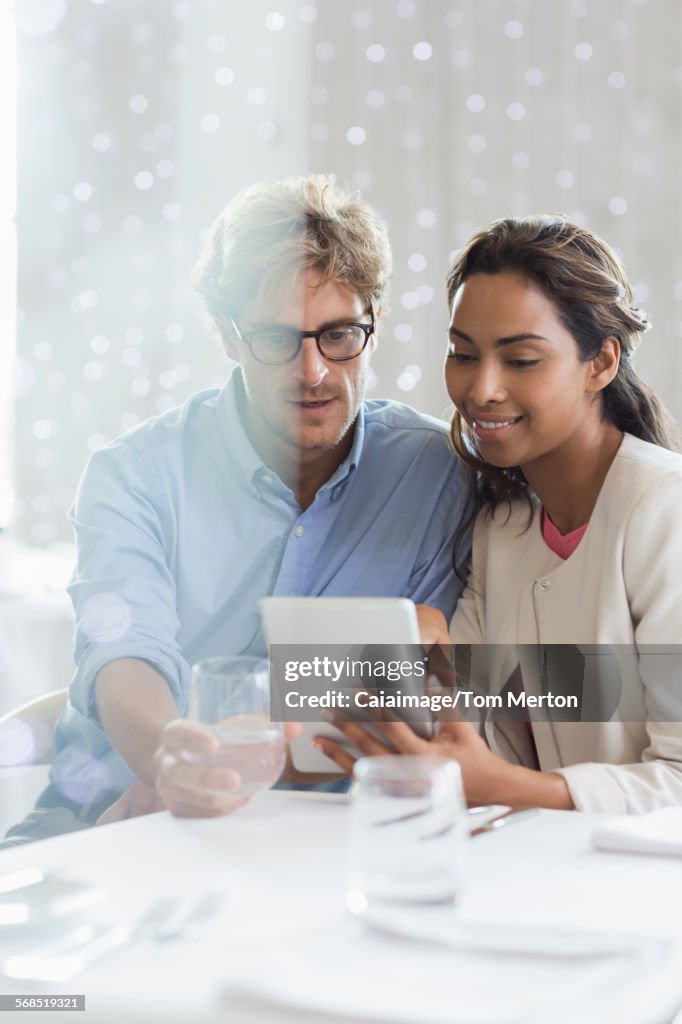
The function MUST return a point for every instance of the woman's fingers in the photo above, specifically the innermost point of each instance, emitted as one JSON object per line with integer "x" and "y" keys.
{"x": 403, "y": 739}
{"x": 366, "y": 742}
{"x": 336, "y": 752}
{"x": 384, "y": 738}
{"x": 454, "y": 733}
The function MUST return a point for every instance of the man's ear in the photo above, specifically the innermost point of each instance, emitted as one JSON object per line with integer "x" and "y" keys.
{"x": 604, "y": 366}
{"x": 374, "y": 340}
{"x": 228, "y": 338}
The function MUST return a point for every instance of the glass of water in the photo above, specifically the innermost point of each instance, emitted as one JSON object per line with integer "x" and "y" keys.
{"x": 408, "y": 833}
{"x": 231, "y": 695}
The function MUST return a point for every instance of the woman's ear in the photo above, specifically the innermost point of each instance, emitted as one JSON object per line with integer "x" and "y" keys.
{"x": 604, "y": 366}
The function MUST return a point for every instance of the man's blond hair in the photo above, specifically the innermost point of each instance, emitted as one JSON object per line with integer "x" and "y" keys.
{"x": 273, "y": 232}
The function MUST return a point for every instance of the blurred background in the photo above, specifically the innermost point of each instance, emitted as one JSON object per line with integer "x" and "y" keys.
{"x": 138, "y": 120}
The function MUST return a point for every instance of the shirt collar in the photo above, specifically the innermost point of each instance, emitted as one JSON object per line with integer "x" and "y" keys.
{"x": 349, "y": 464}
{"x": 231, "y": 417}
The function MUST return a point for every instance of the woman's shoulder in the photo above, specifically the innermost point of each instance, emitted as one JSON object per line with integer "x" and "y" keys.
{"x": 649, "y": 460}
{"x": 641, "y": 500}
{"x": 651, "y": 540}
{"x": 641, "y": 472}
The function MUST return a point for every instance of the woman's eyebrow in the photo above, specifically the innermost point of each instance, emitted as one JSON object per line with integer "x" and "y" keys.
{"x": 509, "y": 340}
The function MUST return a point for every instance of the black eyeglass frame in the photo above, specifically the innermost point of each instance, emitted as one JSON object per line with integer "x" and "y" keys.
{"x": 246, "y": 337}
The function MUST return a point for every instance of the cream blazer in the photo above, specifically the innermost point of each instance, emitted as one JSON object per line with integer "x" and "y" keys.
{"x": 621, "y": 589}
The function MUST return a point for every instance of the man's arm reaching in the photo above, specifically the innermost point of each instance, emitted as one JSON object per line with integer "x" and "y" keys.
{"x": 166, "y": 752}
{"x": 169, "y": 754}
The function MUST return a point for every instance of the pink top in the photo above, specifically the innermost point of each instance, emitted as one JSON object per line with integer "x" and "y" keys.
{"x": 564, "y": 544}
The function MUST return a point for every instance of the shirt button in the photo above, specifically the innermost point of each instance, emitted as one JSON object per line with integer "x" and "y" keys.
{"x": 545, "y": 584}
{"x": 267, "y": 479}
{"x": 299, "y": 531}
{"x": 337, "y": 491}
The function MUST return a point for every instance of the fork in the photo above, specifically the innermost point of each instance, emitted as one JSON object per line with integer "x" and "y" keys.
{"x": 67, "y": 958}
{"x": 177, "y": 926}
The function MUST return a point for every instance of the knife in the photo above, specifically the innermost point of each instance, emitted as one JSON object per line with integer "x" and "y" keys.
{"x": 508, "y": 818}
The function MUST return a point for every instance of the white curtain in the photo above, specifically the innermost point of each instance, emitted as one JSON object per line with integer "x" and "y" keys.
{"x": 139, "y": 120}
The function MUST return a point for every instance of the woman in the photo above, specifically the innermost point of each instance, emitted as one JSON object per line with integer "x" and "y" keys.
{"x": 577, "y": 539}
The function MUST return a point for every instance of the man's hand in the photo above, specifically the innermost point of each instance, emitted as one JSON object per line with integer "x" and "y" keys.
{"x": 137, "y": 800}
{"x": 187, "y": 784}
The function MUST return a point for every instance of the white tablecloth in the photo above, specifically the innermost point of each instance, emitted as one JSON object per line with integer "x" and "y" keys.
{"x": 283, "y": 932}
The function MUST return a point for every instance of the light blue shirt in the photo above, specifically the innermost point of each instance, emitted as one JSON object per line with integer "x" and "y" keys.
{"x": 181, "y": 529}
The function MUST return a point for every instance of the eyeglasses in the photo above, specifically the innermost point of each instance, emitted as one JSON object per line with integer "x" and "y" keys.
{"x": 275, "y": 346}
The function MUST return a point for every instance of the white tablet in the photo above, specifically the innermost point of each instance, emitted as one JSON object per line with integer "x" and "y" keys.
{"x": 345, "y": 624}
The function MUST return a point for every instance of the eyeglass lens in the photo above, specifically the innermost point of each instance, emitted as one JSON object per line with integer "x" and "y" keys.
{"x": 340, "y": 342}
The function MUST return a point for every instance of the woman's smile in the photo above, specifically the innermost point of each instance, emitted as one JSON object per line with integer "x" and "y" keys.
{"x": 492, "y": 428}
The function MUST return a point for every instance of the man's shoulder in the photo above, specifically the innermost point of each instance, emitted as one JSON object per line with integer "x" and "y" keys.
{"x": 398, "y": 436}
{"x": 170, "y": 427}
{"x": 152, "y": 450}
{"x": 387, "y": 415}
{"x": 393, "y": 428}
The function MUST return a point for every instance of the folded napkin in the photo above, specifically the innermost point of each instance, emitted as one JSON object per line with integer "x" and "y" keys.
{"x": 500, "y": 976}
{"x": 657, "y": 832}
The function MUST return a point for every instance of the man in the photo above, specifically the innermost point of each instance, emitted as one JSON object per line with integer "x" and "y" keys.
{"x": 284, "y": 482}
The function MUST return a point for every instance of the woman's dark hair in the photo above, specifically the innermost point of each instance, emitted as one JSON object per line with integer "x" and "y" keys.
{"x": 586, "y": 282}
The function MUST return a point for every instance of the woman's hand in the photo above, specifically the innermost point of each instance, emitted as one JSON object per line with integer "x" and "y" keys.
{"x": 487, "y": 778}
{"x": 482, "y": 771}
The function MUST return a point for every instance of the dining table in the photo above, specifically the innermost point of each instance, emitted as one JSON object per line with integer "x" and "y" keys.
{"x": 546, "y": 928}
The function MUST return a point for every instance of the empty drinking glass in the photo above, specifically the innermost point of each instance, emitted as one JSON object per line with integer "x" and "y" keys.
{"x": 408, "y": 833}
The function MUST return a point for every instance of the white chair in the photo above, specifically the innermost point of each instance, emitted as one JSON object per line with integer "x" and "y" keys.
{"x": 26, "y": 733}
{"x": 25, "y": 754}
